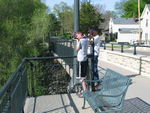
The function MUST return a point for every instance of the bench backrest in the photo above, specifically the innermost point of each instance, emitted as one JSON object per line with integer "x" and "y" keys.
{"x": 115, "y": 84}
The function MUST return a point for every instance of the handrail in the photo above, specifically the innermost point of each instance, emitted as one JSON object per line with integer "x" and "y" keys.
{"x": 122, "y": 47}
{"x": 12, "y": 91}
{"x": 8, "y": 83}
{"x": 12, "y": 86}
{"x": 127, "y": 44}
{"x": 51, "y": 57}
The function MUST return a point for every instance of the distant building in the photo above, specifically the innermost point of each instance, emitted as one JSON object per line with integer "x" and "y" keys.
{"x": 127, "y": 29}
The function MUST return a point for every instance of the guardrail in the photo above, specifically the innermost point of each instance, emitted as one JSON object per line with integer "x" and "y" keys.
{"x": 13, "y": 94}
{"x": 34, "y": 77}
{"x": 122, "y": 47}
{"x": 48, "y": 73}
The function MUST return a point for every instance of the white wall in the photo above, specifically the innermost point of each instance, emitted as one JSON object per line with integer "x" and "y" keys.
{"x": 116, "y": 27}
{"x": 127, "y": 37}
{"x": 146, "y": 29}
{"x": 123, "y": 37}
{"x": 135, "y": 63}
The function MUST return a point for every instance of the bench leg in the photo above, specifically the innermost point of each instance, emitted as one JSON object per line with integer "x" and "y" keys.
{"x": 83, "y": 107}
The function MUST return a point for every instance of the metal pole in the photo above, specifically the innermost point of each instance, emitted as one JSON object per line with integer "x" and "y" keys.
{"x": 112, "y": 47}
{"x": 76, "y": 15}
{"x": 139, "y": 21}
{"x": 121, "y": 48}
{"x": 104, "y": 45}
{"x": 134, "y": 49}
{"x": 76, "y": 28}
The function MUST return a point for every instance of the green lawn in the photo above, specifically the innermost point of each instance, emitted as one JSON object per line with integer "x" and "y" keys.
{"x": 117, "y": 46}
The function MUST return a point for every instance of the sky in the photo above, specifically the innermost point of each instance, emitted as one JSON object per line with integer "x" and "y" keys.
{"x": 108, "y": 4}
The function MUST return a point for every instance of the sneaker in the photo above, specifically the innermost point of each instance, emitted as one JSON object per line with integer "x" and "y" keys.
{"x": 96, "y": 84}
{"x": 80, "y": 94}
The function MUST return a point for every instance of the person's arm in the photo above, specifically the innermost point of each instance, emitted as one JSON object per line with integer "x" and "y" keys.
{"x": 97, "y": 40}
{"x": 78, "y": 45}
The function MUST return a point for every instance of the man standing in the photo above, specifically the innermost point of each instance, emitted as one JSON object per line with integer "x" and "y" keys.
{"x": 82, "y": 46}
{"x": 95, "y": 41}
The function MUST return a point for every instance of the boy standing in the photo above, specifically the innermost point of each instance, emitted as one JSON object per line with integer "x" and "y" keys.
{"x": 82, "y": 47}
{"x": 95, "y": 41}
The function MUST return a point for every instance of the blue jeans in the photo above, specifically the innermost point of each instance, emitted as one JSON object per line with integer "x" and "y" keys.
{"x": 95, "y": 68}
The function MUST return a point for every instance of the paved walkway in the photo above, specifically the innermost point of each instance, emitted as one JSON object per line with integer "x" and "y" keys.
{"x": 140, "y": 86}
{"x": 64, "y": 103}
{"x": 137, "y": 97}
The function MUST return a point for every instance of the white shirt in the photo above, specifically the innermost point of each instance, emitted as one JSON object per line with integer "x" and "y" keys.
{"x": 82, "y": 53}
{"x": 96, "y": 45}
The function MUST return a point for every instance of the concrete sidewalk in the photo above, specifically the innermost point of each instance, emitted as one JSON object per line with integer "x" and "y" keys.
{"x": 137, "y": 98}
{"x": 140, "y": 86}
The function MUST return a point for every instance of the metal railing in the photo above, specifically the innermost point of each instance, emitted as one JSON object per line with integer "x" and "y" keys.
{"x": 125, "y": 48}
{"x": 34, "y": 77}
{"x": 52, "y": 75}
{"x": 41, "y": 76}
{"x": 13, "y": 94}
{"x": 64, "y": 47}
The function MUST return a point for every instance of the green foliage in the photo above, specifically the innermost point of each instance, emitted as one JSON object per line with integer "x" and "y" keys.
{"x": 90, "y": 17}
{"x": 23, "y": 23}
{"x": 128, "y": 8}
{"x": 65, "y": 17}
{"x": 54, "y": 26}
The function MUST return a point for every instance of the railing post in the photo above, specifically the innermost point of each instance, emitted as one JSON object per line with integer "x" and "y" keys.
{"x": 104, "y": 45}
{"x": 134, "y": 49}
{"x": 73, "y": 79}
{"x": 32, "y": 80}
{"x": 112, "y": 47}
{"x": 92, "y": 64}
{"x": 121, "y": 48}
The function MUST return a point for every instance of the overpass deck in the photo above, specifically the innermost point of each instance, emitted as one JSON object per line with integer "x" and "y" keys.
{"x": 137, "y": 98}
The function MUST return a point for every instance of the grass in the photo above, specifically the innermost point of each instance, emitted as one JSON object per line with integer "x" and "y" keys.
{"x": 119, "y": 47}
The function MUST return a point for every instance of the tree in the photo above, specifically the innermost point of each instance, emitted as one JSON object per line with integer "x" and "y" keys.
{"x": 22, "y": 22}
{"x": 65, "y": 16}
{"x": 54, "y": 26}
{"x": 128, "y": 8}
{"x": 90, "y": 17}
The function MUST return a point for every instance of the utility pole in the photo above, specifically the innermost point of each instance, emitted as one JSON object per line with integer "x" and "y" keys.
{"x": 139, "y": 14}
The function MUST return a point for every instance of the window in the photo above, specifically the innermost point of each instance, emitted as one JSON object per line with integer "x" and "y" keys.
{"x": 146, "y": 22}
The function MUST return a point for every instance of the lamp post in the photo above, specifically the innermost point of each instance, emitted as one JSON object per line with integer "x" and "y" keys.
{"x": 76, "y": 15}
{"x": 76, "y": 28}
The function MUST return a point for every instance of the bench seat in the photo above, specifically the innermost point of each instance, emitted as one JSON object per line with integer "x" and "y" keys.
{"x": 111, "y": 97}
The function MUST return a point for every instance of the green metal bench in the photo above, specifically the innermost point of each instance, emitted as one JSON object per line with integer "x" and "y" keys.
{"x": 112, "y": 95}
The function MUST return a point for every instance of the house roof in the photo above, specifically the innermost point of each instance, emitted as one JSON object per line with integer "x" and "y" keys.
{"x": 124, "y": 21}
{"x": 129, "y": 30}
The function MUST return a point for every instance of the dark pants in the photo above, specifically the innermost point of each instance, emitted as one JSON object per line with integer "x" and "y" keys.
{"x": 95, "y": 68}
{"x": 82, "y": 69}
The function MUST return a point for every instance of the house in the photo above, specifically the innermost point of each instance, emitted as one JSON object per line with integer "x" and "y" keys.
{"x": 145, "y": 24}
{"x": 126, "y": 29}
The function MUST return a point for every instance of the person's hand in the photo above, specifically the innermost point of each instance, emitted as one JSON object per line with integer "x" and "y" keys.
{"x": 76, "y": 39}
